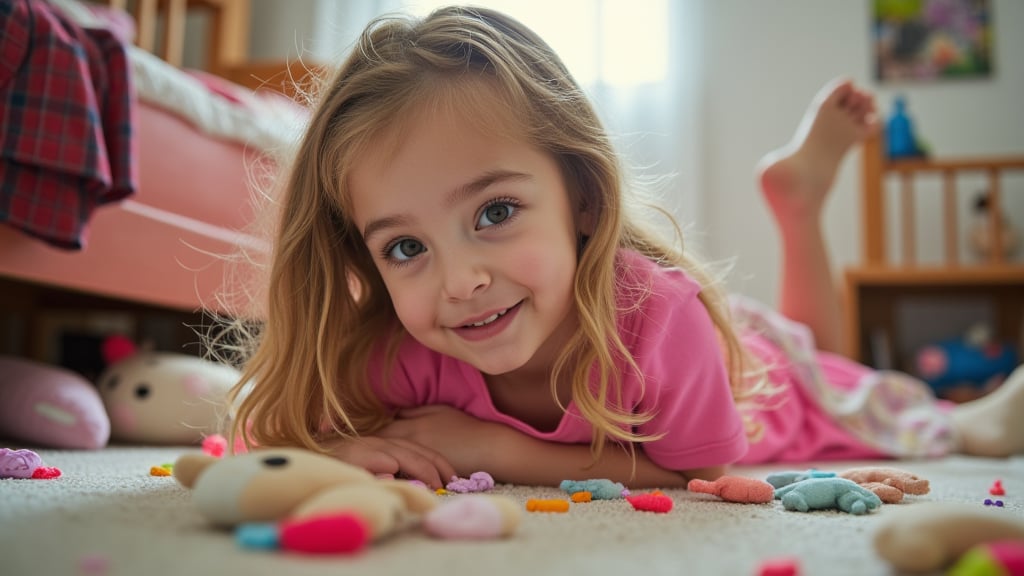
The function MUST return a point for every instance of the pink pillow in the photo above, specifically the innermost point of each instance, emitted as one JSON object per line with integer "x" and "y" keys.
{"x": 50, "y": 406}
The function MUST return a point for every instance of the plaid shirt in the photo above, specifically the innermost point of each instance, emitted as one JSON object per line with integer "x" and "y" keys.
{"x": 66, "y": 111}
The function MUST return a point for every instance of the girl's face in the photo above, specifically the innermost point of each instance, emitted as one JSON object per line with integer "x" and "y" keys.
{"x": 475, "y": 238}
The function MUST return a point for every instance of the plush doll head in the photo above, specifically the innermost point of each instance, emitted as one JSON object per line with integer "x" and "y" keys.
{"x": 164, "y": 398}
{"x": 268, "y": 485}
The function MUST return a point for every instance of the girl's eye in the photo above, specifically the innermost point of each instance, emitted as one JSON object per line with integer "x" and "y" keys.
{"x": 405, "y": 249}
{"x": 495, "y": 213}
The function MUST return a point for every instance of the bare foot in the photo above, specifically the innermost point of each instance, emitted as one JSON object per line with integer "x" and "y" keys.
{"x": 992, "y": 426}
{"x": 796, "y": 178}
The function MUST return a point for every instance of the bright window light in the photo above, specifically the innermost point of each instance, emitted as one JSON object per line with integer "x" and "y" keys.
{"x": 620, "y": 42}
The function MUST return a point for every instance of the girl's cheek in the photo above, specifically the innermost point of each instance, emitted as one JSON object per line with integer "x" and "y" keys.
{"x": 412, "y": 309}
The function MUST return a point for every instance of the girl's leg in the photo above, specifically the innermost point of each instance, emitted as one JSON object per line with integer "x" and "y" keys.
{"x": 795, "y": 181}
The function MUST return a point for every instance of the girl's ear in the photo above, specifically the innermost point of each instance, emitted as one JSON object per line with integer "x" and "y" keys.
{"x": 586, "y": 221}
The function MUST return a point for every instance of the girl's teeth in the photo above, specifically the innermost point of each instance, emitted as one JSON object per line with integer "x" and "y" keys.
{"x": 489, "y": 320}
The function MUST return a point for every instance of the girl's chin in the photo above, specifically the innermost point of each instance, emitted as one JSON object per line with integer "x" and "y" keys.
{"x": 497, "y": 365}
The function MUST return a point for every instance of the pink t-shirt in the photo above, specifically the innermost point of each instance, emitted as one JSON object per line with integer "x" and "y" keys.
{"x": 674, "y": 343}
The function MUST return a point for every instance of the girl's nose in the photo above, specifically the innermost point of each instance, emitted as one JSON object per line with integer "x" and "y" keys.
{"x": 464, "y": 277}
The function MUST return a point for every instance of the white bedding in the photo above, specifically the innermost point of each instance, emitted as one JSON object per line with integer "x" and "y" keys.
{"x": 264, "y": 122}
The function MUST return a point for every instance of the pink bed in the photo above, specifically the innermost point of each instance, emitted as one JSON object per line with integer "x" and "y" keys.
{"x": 162, "y": 246}
{"x": 156, "y": 247}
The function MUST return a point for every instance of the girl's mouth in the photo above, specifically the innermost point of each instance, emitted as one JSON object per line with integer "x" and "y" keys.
{"x": 490, "y": 326}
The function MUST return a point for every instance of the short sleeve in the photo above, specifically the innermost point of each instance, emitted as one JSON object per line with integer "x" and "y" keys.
{"x": 410, "y": 381}
{"x": 686, "y": 383}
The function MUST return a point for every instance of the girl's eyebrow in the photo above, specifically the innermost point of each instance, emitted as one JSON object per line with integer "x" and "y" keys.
{"x": 475, "y": 186}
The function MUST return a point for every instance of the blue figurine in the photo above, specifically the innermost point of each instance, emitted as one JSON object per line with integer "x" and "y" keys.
{"x": 780, "y": 479}
{"x": 828, "y": 493}
{"x": 901, "y": 141}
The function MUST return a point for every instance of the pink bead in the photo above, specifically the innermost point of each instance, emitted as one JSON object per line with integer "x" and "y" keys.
{"x": 779, "y": 567}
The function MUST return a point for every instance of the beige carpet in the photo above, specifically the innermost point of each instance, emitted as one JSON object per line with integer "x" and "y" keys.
{"x": 108, "y": 516}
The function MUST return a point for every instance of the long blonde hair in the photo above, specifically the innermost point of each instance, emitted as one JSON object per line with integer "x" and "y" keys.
{"x": 326, "y": 305}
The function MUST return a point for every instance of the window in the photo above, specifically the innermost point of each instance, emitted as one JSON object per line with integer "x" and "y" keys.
{"x": 617, "y": 42}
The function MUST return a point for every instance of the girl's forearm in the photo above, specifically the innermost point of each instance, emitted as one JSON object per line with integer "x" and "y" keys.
{"x": 530, "y": 461}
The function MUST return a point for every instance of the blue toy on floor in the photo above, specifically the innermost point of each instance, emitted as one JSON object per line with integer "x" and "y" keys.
{"x": 961, "y": 368}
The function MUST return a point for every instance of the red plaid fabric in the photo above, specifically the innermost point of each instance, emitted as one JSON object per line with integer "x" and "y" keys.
{"x": 65, "y": 122}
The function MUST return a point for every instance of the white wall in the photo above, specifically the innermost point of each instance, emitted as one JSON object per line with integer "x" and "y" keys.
{"x": 755, "y": 66}
{"x": 764, "y": 60}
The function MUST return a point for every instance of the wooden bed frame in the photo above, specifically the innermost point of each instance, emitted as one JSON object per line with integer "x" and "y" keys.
{"x": 879, "y": 284}
{"x": 158, "y": 253}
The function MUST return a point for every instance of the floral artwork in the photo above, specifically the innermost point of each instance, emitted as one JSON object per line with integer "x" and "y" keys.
{"x": 932, "y": 39}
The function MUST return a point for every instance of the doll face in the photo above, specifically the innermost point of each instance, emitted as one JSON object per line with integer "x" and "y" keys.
{"x": 164, "y": 398}
{"x": 475, "y": 239}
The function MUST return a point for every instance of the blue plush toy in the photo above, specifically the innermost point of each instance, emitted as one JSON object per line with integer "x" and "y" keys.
{"x": 826, "y": 494}
{"x": 973, "y": 362}
{"x": 600, "y": 489}
{"x": 780, "y": 479}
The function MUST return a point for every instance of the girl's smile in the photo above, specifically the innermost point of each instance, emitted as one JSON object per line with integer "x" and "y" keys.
{"x": 490, "y": 326}
{"x": 473, "y": 234}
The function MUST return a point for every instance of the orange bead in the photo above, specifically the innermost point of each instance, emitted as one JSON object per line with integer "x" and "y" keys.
{"x": 554, "y": 505}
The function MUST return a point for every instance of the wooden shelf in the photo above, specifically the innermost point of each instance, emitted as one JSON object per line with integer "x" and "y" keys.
{"x": 955, "y": 164}
{"x": 936, "y": 275}
{"x": 878, "y": 288}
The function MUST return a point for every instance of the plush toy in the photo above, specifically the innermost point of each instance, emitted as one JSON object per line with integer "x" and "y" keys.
{"x": 999, "y": 558}
{"x": 599, "y": 488}
{"x": 319, "y": 504}
{"x": 735, "y": 489}
{"x": 981, "y": 236}
{"x": 162, "y": 397}
{"x": 780, "y": 479}
{"x": 929, "y": 536}
{"x": 50, "y": 406}
{"x": 889, "y": 484}
{"x": 828, "y": 493}
{"x": 962, "y": 369}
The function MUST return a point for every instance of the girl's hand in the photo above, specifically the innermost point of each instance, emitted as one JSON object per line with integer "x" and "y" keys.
{"x": 396, "y": 457}
{"x": 461, "y": 439}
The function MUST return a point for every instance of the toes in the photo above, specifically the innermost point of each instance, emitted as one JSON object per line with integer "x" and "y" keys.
{"x": 840, "y": 93}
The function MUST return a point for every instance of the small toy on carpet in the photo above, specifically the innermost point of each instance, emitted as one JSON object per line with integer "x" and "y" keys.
{"x": 472, "y": 517}
{"x": 547, "y": 505}
{"x": 307, "y": 502}
{"x": 999, "y": 558}
{"x": 930, "y": 536}
{"x": 600, "y": 489}
{"x": 780, "y": 479}
{"x": 997, "y": 488}
{"x": 24, "y": 465}
{"x": 826, "y": 494}
{"x": 162, "y": 470}
{"x": 477, "y": 482}
{"x": 655, "y": 501}
{"x": 216, "y": 445}
{"x": 786, "y": 566}
{"x": 889, "y": 484}
{"x": 735, "y": 489}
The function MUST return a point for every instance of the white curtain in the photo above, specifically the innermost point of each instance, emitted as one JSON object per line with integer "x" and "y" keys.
{"x": 640, "y": 60}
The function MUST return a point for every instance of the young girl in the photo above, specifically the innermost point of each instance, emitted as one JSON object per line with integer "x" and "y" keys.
{"x": 460, "y": 282}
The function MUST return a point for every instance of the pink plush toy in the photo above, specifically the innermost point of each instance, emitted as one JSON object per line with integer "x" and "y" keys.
{"x": 889, "y": 484}
{"x": 162, "y": 397}
{"x": 735, "y": 489}
{"x": 50, "y": 406}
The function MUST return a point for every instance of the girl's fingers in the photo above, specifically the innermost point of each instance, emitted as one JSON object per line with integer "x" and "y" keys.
{"x": 367, "y": 454}
{"x": 423, "y": 460}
